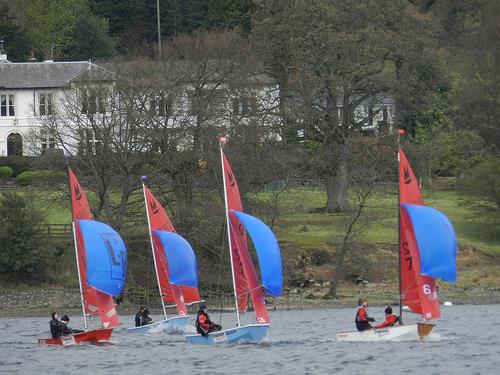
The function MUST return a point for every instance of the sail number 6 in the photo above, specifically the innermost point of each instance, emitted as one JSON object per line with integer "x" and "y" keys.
{"x": 427, "y": 289}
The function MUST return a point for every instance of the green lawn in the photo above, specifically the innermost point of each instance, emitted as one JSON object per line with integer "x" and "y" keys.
{"x": 302, "y": 224}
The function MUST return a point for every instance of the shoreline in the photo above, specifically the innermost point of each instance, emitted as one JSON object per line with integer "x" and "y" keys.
{"x": 39, "y": 302}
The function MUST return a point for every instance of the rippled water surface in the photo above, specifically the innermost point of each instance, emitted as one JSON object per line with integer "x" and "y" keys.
{"x": 465, "y": 341}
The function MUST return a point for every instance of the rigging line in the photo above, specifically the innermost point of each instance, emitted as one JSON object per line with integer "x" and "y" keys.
{"x": 220, "y": 268}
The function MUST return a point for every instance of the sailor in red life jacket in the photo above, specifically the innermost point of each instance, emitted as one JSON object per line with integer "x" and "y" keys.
{"x": 203, "y": 323}
{"x": 362, "y": 319}
{"x": 390, "y": 319}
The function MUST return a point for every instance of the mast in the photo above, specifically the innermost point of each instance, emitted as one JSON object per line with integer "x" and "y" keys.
{"x": 75, "y": 244}
{"x": 229, "y": 232}
{"x": 153, "y": 251}
{"x": 399, "y": 233}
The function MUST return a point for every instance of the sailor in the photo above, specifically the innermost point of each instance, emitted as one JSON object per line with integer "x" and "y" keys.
{"x": 56, "y": 327}
{"x": 203, "y": 323}
{"x": 145, "y": 317}
{"x": 362, "y": 319}
{"x": 66, "y": 330}
{"x": 138, "y": 316}
{"x": 390, "y": 319}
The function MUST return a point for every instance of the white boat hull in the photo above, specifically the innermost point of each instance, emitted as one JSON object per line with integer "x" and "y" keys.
{"x": 174, "y": 325}
{"x": 251, "y": 333}
{"x": 409, "y": 332}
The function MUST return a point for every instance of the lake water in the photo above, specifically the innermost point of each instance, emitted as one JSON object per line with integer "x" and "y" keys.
{"x": 465, "y": 341}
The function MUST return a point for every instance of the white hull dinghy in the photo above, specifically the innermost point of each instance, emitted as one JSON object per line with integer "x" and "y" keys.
{"x": 407, "y": 332}
{"x": 251, "y": 333}
{"x": 427, "y": 250}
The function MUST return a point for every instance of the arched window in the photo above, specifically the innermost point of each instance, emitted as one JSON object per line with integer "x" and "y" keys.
{"x": 15, "y": 144}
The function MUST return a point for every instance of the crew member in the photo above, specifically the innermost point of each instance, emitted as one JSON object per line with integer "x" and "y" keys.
{"x": 56, "y": 327}
{"x": 138, "y": 316}
{"x": 203, "y": 323}
{"x": 66, "y": 329}
{"x": 390, "y": 319}
{"x": 362, "y": 319}
{"x": 145, "y": 317}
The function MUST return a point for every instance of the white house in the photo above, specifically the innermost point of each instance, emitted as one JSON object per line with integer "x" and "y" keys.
{"x": 31, "y": 90}
{"x": 28, "y": 89}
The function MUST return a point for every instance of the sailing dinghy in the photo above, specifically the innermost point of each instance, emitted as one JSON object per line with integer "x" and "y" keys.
{"x": 427, "y": 250}
{"x": 175, "y": 266}
{"x": 244, "y": 275}
{"x": 101, "y": 259}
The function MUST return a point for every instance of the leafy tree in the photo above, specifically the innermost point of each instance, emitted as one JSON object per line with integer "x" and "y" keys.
{"x": 90, "y": 39}
{"x": 478, "y": 92}
{"x": 11, "y": 31}
{"x": 23, "y": 252}
{"x": 335, "y": 56}
{"x": 480, "y": 186}
{"x": 50, "y": 24}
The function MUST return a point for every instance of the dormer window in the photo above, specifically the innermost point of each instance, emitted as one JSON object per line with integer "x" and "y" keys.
{"x": 6, "y": 105}
{"x": 46, "y": 104}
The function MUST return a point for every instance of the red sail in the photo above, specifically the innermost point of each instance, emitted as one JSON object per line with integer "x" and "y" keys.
{"x": 159, "y": 220}
{"x": 246, "y": 280}
{"x": 94, "y": 301}
{"x": 418, "y": 292}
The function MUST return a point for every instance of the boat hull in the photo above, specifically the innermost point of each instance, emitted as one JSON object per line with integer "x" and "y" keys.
{"x": 251, "y": 333}
{"x": 96, "y": 336}
{"x": 409, "y": 332}
{"x": 174, "y": 325}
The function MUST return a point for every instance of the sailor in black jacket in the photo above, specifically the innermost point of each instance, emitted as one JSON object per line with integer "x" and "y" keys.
{"x": 56, "y": 327}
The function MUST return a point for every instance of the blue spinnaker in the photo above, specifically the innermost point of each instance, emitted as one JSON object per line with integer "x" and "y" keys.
{"x": 106, "y": 257}
{"x": 268, "y": 252}
{"x": 436, "y": 240}
{"x": 180, "y": 258}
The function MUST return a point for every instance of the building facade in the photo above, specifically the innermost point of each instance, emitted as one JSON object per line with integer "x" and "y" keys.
{"x": 27, "y": 91}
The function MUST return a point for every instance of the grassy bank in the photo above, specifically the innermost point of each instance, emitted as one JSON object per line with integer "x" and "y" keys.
{"x": 303, "y": 229}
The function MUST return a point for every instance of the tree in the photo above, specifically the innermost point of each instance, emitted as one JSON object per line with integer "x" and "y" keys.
{"x": 337, "y": 57}
{"x": 371, "y": 163}
{"x": 12, "y": 32}
{"x": 90, "y": 39}
{"x": 102, "y": 122}
{"x": 23, "y": 251}
{"x": 480, "y": 187}
{"x": 478, "y": 94}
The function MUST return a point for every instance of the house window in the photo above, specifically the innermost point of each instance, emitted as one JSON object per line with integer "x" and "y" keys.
{"x": 46, "y": 104}
{"x": 6, "y": 105}
{"x": 385, "y": 114}
{"x": 47, "y": 141}
{"x": 92, "y": 103}
{"x": 159, "y": 107}
{"x": 245, "y": 106}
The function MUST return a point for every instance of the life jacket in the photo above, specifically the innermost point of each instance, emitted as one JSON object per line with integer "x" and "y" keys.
{"x": 202, "y": 323}
{"x": 361, "y": 314}
{"x": 389, "y": 321}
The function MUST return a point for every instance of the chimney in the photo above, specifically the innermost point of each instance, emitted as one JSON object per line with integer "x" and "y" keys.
{"x": 3, "y": 52}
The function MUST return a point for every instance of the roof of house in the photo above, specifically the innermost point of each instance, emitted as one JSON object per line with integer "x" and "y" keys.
{"x": 42, "y": 74}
